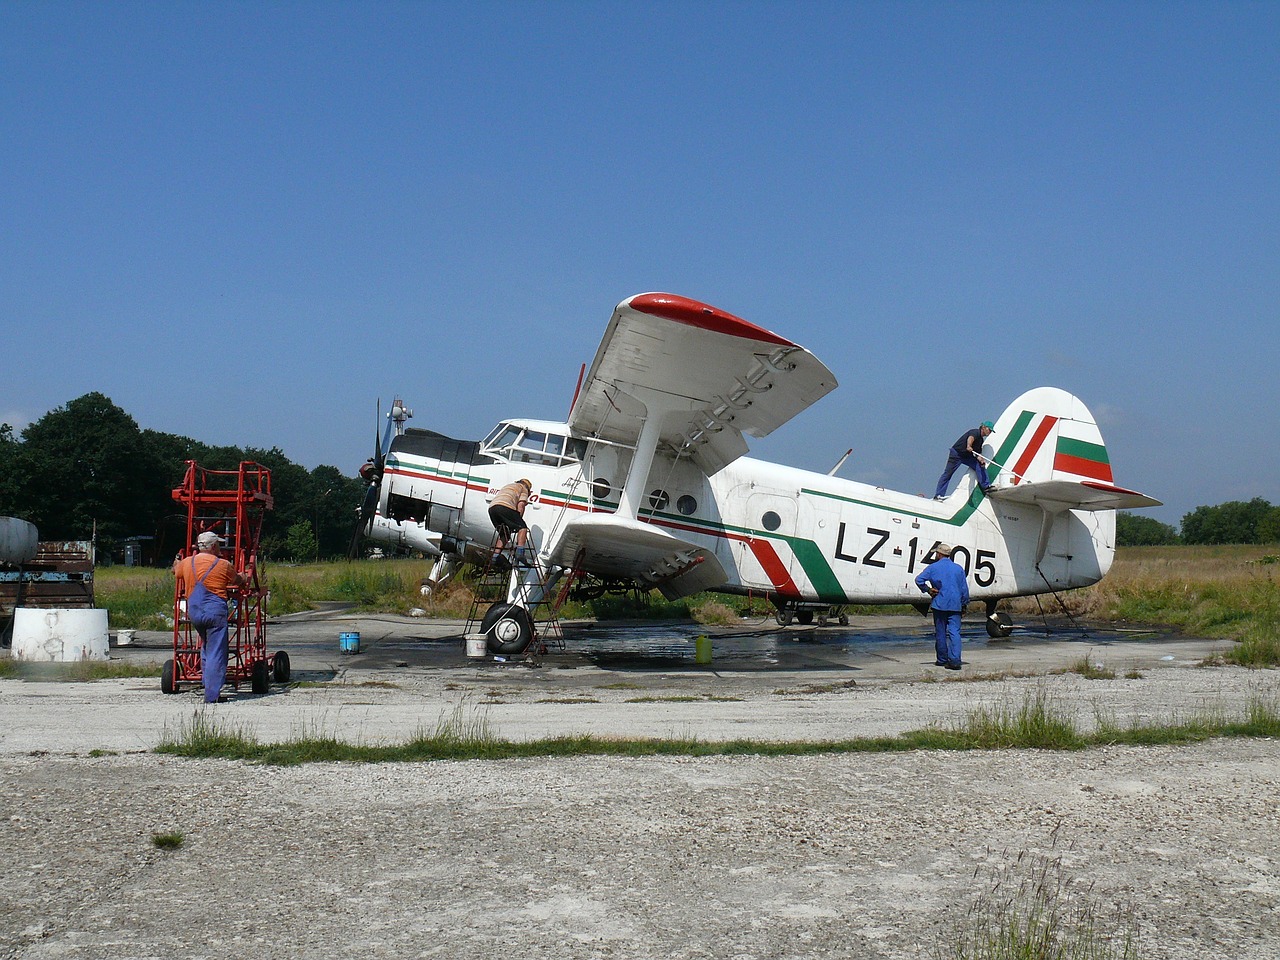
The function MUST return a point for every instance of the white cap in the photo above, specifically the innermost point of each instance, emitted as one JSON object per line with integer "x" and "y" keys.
{"x": 208, "y": 539}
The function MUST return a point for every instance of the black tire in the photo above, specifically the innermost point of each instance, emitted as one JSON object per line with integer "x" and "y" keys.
{"x": 804, "y": 617}
{"x": 168, "y": 680}
{"x": 999, "y": 626}
{"x": 507, "y": 628}
{"x": 783, "y": 617}
{"x": 844, "y": 619}
{"x": 280, "y": 666}
{"x": 260, "y": 676}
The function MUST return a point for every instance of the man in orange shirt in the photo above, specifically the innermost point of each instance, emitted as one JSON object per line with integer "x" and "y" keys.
{"x": 206, "y": 579}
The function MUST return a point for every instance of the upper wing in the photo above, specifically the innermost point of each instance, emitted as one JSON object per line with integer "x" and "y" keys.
{"x": 724, "y": 376}
{"x": 607, "y": 545}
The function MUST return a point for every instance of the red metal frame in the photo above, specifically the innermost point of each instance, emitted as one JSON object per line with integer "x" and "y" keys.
{"x": 231, "y": 503}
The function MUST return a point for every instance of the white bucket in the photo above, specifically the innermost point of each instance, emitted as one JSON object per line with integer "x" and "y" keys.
{"x": 124, "y": 638}
{"x": 477, "y": 647}
{"x": 47, "y": 636}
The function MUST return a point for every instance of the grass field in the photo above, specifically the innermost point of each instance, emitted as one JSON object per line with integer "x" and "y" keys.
{"x": 1230, "y": 592}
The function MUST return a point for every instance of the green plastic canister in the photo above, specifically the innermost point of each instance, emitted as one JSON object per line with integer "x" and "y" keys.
{"x": 702, "y": 650}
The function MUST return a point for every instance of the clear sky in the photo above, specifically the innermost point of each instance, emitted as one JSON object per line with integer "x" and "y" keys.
{"x": 247, "y": 222}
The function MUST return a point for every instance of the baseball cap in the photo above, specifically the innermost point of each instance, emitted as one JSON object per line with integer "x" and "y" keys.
{"x": 989, "y": 425}
{"x": 208, "y": 539}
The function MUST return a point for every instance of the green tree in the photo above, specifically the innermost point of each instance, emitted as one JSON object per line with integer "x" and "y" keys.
{"x": 1269, "y": 526}
{"x": 1231, "y": 522}
{"x": 83, "y": 467}
{"x": 300, "y": 542}
{"x": 88, "y": 463}
{"x": 1136, "y": 531}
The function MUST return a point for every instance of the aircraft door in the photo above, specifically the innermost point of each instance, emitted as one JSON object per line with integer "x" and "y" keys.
{"x": 763, "y": 555}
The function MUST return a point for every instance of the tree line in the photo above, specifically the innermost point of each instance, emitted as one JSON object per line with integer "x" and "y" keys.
{"x": 86, "y": 469}
{"x": 1236, "y": 521}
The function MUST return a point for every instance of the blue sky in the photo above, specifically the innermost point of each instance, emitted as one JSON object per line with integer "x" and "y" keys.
{"x": 247, "y": 222}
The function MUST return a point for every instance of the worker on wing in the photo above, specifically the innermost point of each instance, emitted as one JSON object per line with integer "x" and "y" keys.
{"x": 205, "y": 579}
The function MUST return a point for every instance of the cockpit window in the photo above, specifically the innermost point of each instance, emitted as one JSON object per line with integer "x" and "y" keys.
{"x": 527, "y": 445}
{"x": 502, "y": 436}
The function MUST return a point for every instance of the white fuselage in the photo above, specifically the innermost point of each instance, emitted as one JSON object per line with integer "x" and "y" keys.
{"x": 776, "y": 530}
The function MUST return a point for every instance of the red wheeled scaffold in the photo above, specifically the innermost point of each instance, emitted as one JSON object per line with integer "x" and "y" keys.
{"x": 231, "y": 503}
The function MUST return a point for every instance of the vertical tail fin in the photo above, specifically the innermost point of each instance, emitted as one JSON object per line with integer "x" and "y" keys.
{"x": 1047, "y": 434}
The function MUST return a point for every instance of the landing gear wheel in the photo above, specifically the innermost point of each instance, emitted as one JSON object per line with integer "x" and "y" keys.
{"x": 168, "y": 681}
{"x": 844, "y": 619}
{"x": 783, "y": 617}
{"x": 507, "y": 628}
{"x": 260, "y": 676}
{"x": 280, "y": 666}
{"x": 999, "y": 626}
{"x": 804, "y": 617}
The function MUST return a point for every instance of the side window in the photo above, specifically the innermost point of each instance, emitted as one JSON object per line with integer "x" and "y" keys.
{"x": 659, "y": 499}
{"x": 687, "y": 505}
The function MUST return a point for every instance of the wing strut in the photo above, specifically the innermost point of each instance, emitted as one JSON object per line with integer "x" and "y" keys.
{"x": 657, "y": 406}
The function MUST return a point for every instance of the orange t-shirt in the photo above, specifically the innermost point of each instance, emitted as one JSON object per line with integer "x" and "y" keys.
{"x": 217, "y": 582}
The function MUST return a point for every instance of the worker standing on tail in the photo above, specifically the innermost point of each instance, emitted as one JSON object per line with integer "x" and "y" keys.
{"x": 944, "y": 581}
{"x": 967, "y": 450}
{"x": 206, "y": 580}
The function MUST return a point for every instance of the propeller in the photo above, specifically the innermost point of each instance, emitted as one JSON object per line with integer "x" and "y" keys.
{"x": 371, "y": 471}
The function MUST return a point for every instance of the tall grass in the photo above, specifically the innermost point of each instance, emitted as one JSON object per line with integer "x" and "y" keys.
{"x": 1219, "y": 591}
{"x": 1034, "y": 722}
{"x": 1031, "y": 909}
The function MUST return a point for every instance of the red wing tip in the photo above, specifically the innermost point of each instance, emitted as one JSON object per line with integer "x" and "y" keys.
{"x": 695, "y": 313}
{"x": 1109, "y": 488}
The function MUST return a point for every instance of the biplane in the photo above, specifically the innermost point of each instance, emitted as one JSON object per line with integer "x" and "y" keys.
{"x": 647, "y": 485}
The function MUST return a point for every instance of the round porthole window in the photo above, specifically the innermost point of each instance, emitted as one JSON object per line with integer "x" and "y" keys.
{"x": 600, "y": 489}
{"x": 771, "y": 521}
{"x": 687, "y": 505}
{"x": 659, "y": 499}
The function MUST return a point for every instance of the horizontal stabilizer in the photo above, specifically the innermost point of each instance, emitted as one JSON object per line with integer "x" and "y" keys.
{"x": 1059, "y": 495}
{"x": 612, "y": 546}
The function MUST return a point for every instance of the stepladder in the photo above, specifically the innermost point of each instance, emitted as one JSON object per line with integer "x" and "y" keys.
{"x": 516, "y": 604}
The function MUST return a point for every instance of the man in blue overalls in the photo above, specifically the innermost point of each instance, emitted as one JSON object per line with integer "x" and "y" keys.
{"x": 945, "y": 582}
{"x": 206, "y": 579}
{"x": 968, "y": 451}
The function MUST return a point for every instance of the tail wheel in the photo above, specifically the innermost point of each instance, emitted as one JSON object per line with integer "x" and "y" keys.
{"x": 507, "y": 628}
{"x": 280, "y": 666}
{"x": 260, "y": 677}
{"x": 168, "y": 678}
{"x": 999, "y": 626}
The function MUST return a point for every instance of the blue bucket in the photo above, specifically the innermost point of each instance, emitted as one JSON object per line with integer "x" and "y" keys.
{"x": 349, "y": 642}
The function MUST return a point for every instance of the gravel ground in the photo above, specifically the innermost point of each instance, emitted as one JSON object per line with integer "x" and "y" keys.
{"x": 827, "y": 856}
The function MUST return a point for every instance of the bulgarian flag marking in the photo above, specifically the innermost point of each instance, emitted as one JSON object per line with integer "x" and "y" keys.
{"x": 1083, "y": 459}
